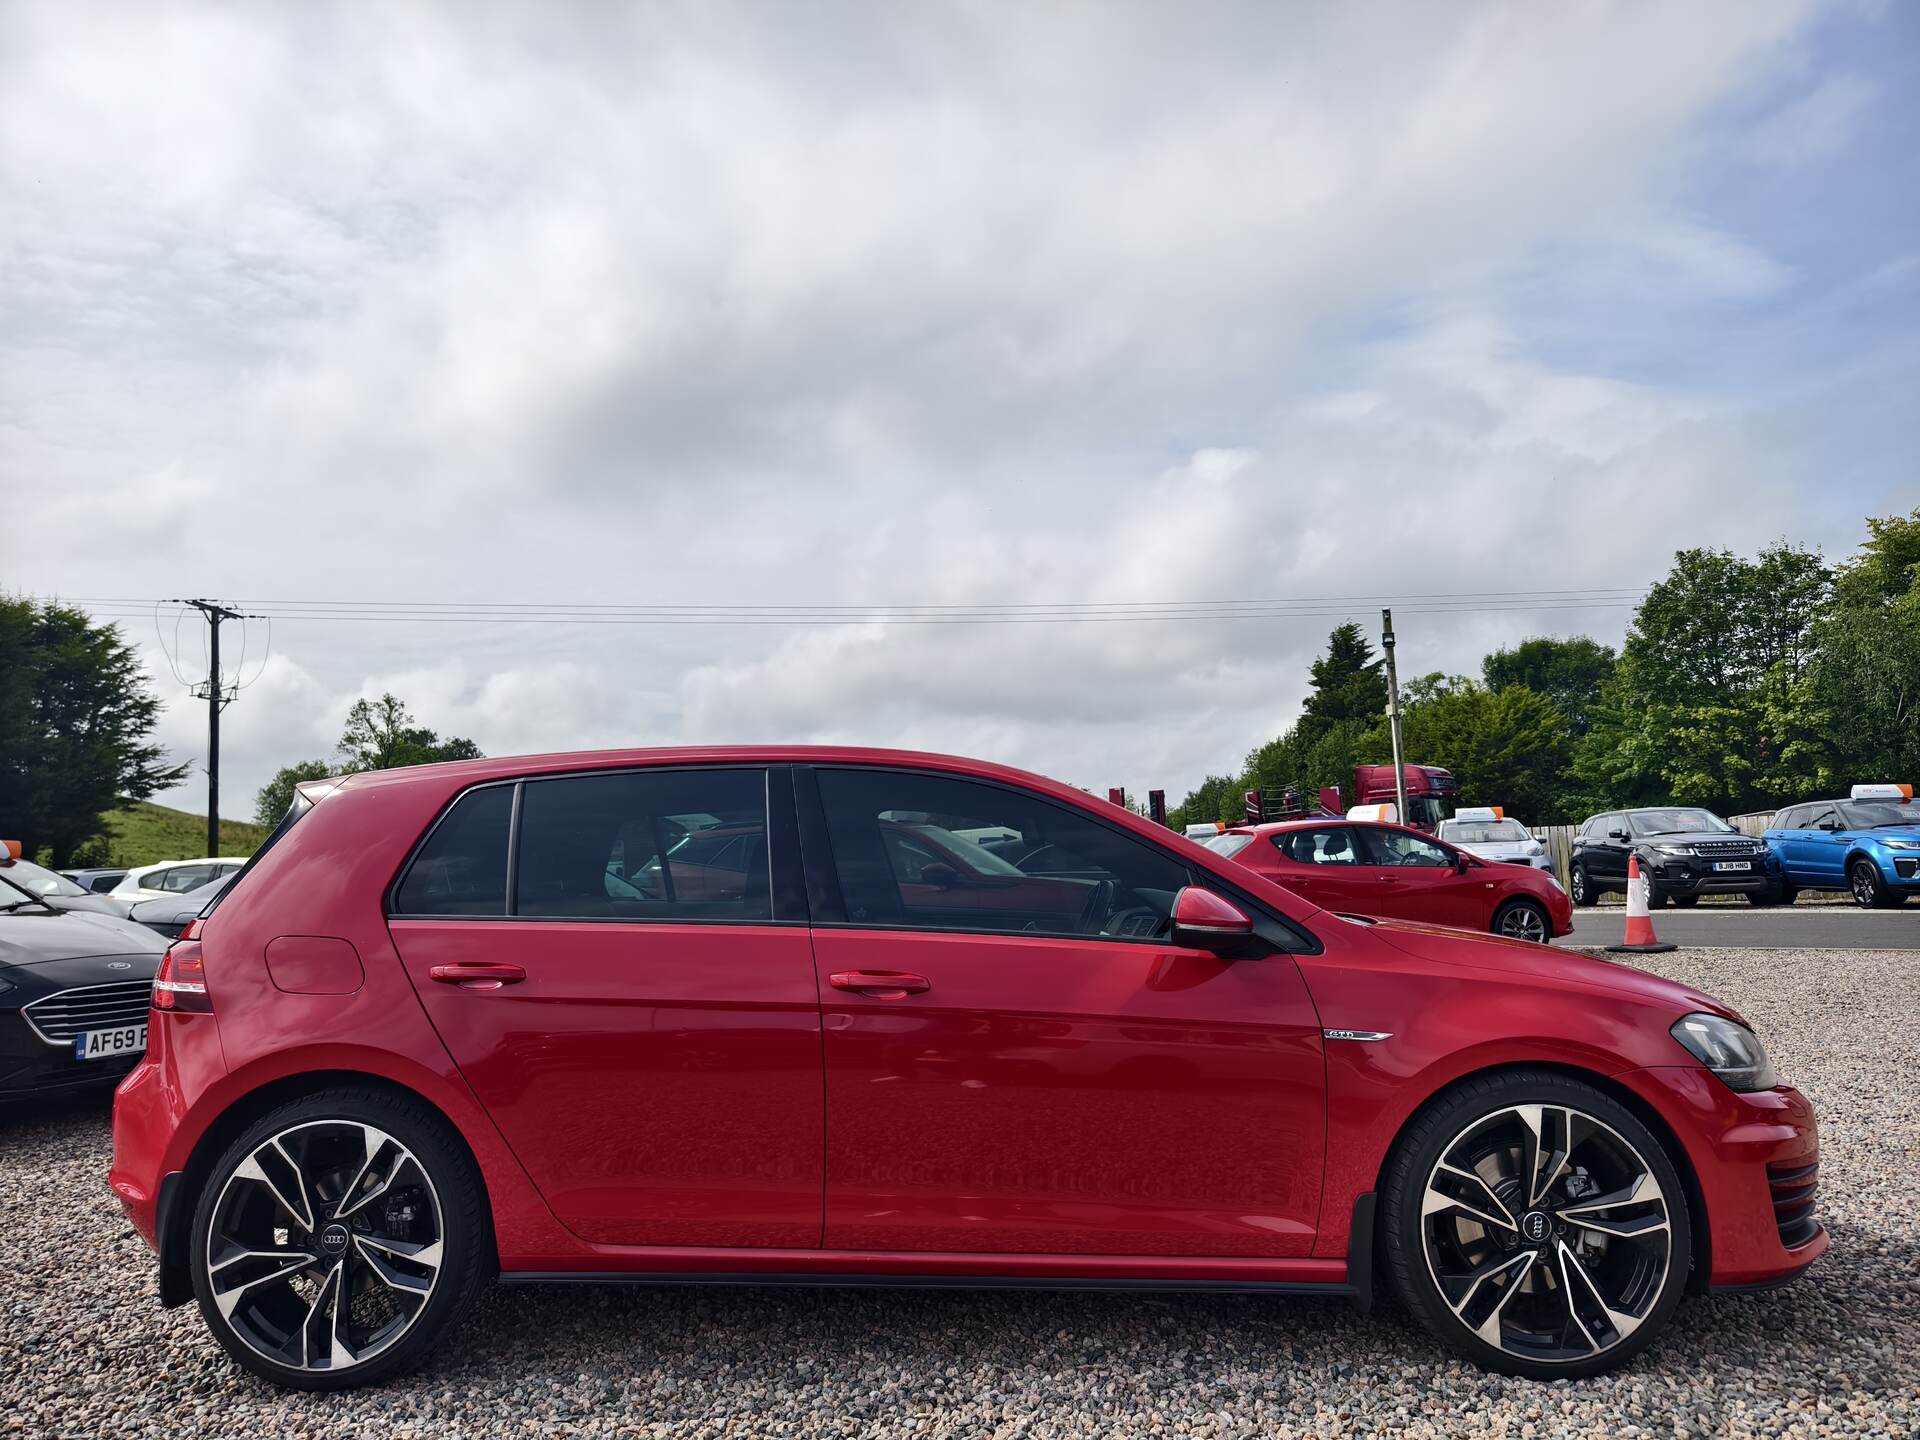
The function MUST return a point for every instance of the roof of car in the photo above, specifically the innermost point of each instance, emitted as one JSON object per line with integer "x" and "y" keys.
{"x": 1274, "y": 827}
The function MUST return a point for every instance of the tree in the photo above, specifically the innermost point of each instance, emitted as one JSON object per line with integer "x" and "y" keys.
{"x": 1217, "y": 798}
{"x": 379, "y": 735}
{"x": 1348, "y": 684}
{"x": 75, "y": 720}
{"x": 1866, "y": 679}
{"x": 1568, "y": 672}
{"x": 1711, "y": 702}
{"x": 1506, "y": 747}
{"x": 276, "y": 796}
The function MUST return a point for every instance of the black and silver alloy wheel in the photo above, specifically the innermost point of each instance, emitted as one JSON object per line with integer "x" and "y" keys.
{"x": 1536, "y": 1226}
{"x": 1579, "y": 887}
{"x": 324, "y": 1245}
{"x": 338, "y": 1239}
{"x": 1863, "y": 879}
{"x": 1523, "y": 921}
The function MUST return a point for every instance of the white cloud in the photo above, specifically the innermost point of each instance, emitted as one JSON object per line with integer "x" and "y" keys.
{"x": 741, "y": 304}
{"x": 1814, "y": 126}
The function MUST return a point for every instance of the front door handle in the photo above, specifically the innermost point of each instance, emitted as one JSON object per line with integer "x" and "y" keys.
{"x": 880, "y": 984}
{"x": 477, "y": 974}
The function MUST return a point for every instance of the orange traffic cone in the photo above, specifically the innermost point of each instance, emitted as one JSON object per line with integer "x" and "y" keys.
{"x": 1640, "y": 937}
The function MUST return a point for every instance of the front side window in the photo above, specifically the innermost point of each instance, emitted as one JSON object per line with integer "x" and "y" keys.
{"x": 462, "y": 868}
{"x": 1322, "y": 845}
{"x": 905, "y": 852}
{"x": 645, "y": 845}
{"x": 1397, "y": 847}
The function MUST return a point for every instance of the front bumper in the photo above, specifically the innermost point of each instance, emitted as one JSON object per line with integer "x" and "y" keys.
{"x": 1756, "y": 1160}
{"x": 1692, "y": 875}
{"x": 30, "y": 1066}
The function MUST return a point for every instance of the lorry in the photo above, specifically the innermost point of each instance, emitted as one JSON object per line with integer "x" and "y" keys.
{"x": 1431, "y": 791}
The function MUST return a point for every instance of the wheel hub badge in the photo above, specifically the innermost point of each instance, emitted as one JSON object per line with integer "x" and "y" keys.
{"x": 333, "y": 1239}
{"x": 1534, "y": 1225}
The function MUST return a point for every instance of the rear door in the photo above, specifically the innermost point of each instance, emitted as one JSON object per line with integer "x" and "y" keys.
{"x": 1609, "y": 851}
{"x": 646, "y": 1037}
{"x": 1824, "y": 843}
{"x": 1035, "y": 1068}
{"x": 1321, "y": 863}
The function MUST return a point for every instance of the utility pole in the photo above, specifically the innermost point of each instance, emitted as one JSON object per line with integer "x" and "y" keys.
{"x": 217, "y": 697}
{"x": 1393, "y": 718}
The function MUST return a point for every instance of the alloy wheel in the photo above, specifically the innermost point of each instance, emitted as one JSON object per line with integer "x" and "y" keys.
{"x": 1577, "y": 885}
{"x": 324, "y": 1245}
{"x": 1524, "y": 922}
{"x": 1547, "y": 1233}
{"x": 1865, "y": 882}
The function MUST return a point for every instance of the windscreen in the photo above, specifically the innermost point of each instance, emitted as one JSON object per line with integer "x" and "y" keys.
{"x": 1676, "y": 822}
{"x": 1485, "y": 832}
{"x": 1874, "y": 814}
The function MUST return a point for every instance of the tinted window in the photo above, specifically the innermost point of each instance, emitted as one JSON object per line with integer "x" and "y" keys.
{"x": 1322, "y": 845}
{"x": 903, "y": 850}
{"x": 1397, "y": 847}
{"x": 1792, "y": 818}
{"x": 646, "y": 845}
{"x": 1875, "y": 814}
{"x": 180, "y": 879}
{"x": 462, "y": 869}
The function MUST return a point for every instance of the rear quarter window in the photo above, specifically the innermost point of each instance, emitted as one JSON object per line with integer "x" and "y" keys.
{"x": 462, "y": 867}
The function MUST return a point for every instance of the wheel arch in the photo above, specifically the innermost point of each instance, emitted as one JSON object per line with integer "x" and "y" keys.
{"x": 1698, "y": 1221}
{"x": 173, "y": 1225}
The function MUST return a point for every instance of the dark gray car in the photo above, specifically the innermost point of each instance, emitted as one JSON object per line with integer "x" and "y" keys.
{"x": 171, "y": 914}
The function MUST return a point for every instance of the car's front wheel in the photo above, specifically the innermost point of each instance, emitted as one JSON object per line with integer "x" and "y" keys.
{"x": 1523, "y": 920}
{"x": 1869, "y": 887}
{"x": 1535, "y": 1225}
{"x": 338, "y": 1239}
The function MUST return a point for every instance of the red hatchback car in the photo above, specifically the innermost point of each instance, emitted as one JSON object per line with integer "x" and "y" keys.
{"x": 1369, "y": 868}
{"x": 466, "y": 1022}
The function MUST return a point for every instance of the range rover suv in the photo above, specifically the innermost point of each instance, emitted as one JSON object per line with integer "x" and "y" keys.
{"x": 1684, "y": 852}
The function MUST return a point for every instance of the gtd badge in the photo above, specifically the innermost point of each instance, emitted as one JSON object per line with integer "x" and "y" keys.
{"x": 1533, "y": 1225}
{"x": 333, "y": 1239}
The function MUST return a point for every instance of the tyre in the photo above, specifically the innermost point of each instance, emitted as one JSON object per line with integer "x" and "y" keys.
{"x": 1535, "y": 1226}
{"x": 339, "y": 1239}
{"x": 1656, "y": 897}
{"x": 1772, "y": 893}
{"x": 1580, "y": 887}
{"x": 1869, "y": 887}
{"x": 1686, "y": 902}
{"x": 1522, "y": 920}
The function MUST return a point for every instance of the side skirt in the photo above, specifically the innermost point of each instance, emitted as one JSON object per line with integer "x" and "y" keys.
{"x": 827, "y": 1280}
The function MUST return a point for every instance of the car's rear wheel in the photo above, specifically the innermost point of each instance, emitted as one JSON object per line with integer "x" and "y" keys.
{"x": 1535, "y": 1225}
{"x": 338, "y": 1239}
{"x": 1580, "y": 886}
{"x": 1522, "y": 920}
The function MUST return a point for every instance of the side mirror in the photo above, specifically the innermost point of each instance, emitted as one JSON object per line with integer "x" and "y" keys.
{"x": 940, "y": 875}
{"x": 1618, "y": 835}
{"x": 1203, "y": 920}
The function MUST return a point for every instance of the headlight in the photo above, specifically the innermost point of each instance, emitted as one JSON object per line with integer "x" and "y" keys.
{"x": 1731, "y": 1051}
{"x": 1536, "y": 848}
{"x": 1554, "y": 880}
{"x": 1901, "y": 844}
{"x": 1674, "y": 849}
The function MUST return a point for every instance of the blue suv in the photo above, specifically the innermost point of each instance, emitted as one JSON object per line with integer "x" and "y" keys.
{"x": 1868, "y": 843}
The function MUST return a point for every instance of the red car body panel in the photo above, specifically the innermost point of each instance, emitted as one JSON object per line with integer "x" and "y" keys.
{"x": 1046, "y": 1109}
{"x": 1465, "y": 898}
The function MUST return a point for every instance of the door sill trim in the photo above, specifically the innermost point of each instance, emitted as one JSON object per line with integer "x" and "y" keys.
{"x": 858, "y": 1280}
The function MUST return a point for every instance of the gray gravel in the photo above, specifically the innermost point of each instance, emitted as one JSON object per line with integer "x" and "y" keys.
{"x": 84, "y": 1349}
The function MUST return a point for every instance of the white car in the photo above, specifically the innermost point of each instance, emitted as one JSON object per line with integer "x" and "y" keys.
{"x": 1487, "y": 832}
{"x": 176, "y": 877}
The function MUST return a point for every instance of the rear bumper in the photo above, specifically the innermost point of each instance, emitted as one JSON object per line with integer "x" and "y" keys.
{"x": 1756, "y": 1160}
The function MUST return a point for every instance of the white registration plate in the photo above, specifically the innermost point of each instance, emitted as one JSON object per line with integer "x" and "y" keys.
{"x": 106, "y": 1044}
{"x": 1733, "y": 865}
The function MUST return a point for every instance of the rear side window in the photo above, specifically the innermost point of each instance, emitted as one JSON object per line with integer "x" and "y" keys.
{"x": 462, "y": 868}
{"x": 911, "y": 851}
{"x": 645, "y": 845}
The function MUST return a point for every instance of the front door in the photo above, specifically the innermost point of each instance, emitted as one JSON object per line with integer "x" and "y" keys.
{"x": 1421, "y": 879}
{"x": 635, "y": 1010}
{"x": 1022, "y": 1062}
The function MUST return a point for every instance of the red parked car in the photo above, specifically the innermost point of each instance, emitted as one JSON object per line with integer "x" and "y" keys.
{"x": 461, "y": 1022}
{"x": 1368, "y": 868}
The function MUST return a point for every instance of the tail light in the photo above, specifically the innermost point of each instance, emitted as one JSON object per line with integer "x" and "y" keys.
{"x": 180, "y": 984}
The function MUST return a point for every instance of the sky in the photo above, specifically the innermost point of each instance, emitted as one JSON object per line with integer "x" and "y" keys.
{"x": 949, "y": 305}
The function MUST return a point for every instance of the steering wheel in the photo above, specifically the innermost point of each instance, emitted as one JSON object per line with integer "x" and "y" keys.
{"x": 1099, "y": 907}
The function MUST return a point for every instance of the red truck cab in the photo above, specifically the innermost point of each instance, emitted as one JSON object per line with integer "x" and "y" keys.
{"x": 1431, "y": 792}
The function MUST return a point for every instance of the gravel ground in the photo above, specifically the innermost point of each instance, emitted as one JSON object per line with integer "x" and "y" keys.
{"x": 84, "y": 1349}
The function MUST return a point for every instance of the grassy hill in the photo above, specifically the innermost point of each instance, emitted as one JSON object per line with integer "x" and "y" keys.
{"x": 148, "y": 833}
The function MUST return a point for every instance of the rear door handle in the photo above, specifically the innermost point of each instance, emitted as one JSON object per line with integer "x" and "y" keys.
{"x": 477, "y": 974}
{"x": 880, "y": 984}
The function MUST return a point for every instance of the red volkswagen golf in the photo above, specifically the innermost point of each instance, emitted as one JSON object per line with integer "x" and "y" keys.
{"x": 1371, "y": 868}
{"x": 783, "y": 1015}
